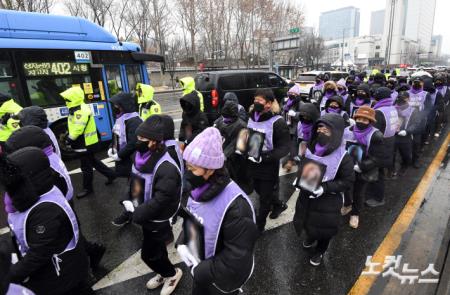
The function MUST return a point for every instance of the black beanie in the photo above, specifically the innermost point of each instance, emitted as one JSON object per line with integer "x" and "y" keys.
{"x": 28, "y": 136}
{"x": 26, "y": 175}
{"x": 169, "y": 127}
{"x": 152, "y": 128}
{"x": 33, "y": 115}
{"x": 382, "y": 93}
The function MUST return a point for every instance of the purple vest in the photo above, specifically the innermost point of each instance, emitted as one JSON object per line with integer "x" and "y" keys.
{"x": 54, "y": 140}
{"x": 174, "y": 143}
{"x": 344, "y": 98}
{"x": 443, "y": 90}
{"x": 354, "y": 108}
{"x": 18, "y": 290}
{"x": 331, "y": 161}
{"x": 323, "y": 112}
{"x": 433, "y": 98}
{"x": 120, "y": 128}
{"x": 210, "y": 214}
{"x": 394, "y": 95}
{"x": 417, "y": 100}
{"x": 350, "y": 136}
{"x": 18, "y": 221}
{"x": 58, "y": 165}
{"x": 265, "y": 127}
{"x": 391, "y": 117}
{"x": 323, "y": 102}
{"x": 148, "y": 179}
{"x": 299, "y": 130}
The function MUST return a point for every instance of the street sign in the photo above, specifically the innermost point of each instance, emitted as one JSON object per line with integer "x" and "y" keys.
{"x": 82, "y": 57}
{"x": 294, "y": 30}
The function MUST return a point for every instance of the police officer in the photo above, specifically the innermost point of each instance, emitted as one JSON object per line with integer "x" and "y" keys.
{"x": 188, "y": 85}
{"x": 83, "y": 139}
{"x": 9, "y": 122}
{"x": 226, "y": 229}
{"x": 52, "y": 258}
{"x": 36, "y": 116}
{"x": 146, "y": 105}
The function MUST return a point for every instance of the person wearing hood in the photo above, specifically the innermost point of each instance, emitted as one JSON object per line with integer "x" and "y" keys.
{"x": 366, "y": 167}
{"x": 52, "y": 259}
{"x": 316, "y": 91}
{"x": 264, "y": 170}
{"x": 6, "y": 287}
{"x": 391, "y": 84}
{"x": 308, "y": 115}
{"x": 407, "y": 139}
{"x": 229, "y": 126}
{"x": 290, "y": 114}
{"x": 387, "y": 122}
{"x": 342, "y": 90}
{"x": 226, "y": 215}
{"x": 330, "y": 89}
{"x": 193, "y": 120}
{"x": 83, "y": 139}
{"x": 379, "y": 79}
{"x": 33, "y": 136}
{"x": 360, "y": 98}
{"x": 402, "y": 84}
{"x": 188, "y": 86}
{"x": 9, "y": 121}
{"x": 335, "y": 105}
{"x": 154, "y": 199}
{"x": 231, "y": 96}
{"x": 436, "y": 108}
{"x": 318, "y": 208}
{"x": 36, "y": 116}
{"x": 147, "y": 106}
{"x": 124, "y": 132}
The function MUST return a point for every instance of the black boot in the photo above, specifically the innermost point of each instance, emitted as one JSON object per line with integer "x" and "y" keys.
{"x": 95, "y": 252}
{"x": 84, "y": 193}
{"x": 277, "y": 210}
{"x": 110, "y": 180}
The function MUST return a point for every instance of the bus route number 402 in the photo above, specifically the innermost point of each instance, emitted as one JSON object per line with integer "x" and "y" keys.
{"x": 82, "y": 56}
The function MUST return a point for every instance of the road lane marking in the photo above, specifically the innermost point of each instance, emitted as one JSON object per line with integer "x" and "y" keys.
{"x": 4, "y": 230}
{"x": 393, "y": 238}
{"x": 134, "y": 267}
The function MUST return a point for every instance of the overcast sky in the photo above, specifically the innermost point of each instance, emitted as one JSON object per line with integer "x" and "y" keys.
{"x": 313, "y": 8}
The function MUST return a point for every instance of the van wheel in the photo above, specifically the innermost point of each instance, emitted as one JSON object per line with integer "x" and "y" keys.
{"x": 61, "y": 132}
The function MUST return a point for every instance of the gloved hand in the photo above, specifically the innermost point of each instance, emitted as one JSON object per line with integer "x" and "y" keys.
{"x": 115, "y": 157}
{"x": 111, "y": 152}
{"x": 352, "y": 122}
{"x": 257, "y": 161}
{"x": 357, "y": 169}
{"x": 186, "y": 256}
{"x": 68, "y": 141}
{"x": 317, "y": 193}
{"x": 291, "y": 113}
{"x": 128, "y": 206}
{"x": 402, "y": 133}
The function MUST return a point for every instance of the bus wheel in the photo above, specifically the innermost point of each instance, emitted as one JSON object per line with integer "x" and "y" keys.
{"x": 61, "y": 132}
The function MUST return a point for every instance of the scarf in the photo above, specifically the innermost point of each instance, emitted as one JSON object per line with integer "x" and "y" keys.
{"x": 288, "y": 104}
{"x": 319, "y": 150}
{"x": 334, "y": 111}
{"x": 141, "y": 159}
{"x": 359, "y": 101}
{"x": 415, "y": 91}
{"x": 361, "y": 135}
{"x": 48, "y": 150}
{"x": 307, "y": 130}
{"x": 386, "y": 102}
{"x": 197, "y": 193}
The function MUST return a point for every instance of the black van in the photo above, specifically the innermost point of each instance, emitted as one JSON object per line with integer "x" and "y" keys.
{"x": 214, "y": 85}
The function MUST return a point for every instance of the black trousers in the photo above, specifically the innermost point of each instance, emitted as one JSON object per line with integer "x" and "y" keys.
{"x": 359, "y": 189}
{"x": 416, "y": 147}
{"x": 268, "y": 197}
{"x": 375, "y": 190}
{"x": 154, "y": 254}
{"x": 208, "y": 290}
{"x": 322, "y": 244}
{"x": 88, "y": 163}
{"x": 404, "y": 146}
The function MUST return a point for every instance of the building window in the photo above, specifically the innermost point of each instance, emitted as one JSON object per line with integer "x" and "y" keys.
{"x": 377, "y": 47}
{"x": 377, "y": 55}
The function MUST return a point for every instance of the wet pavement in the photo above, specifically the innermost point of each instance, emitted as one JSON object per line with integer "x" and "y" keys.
{"x": 281, "y": 264}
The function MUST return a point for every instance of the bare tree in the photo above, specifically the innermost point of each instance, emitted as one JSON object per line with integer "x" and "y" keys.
{"x": 188, "y": 12}
{"x": 118, "y": 16}
{"x": 94, "y": 10}
{"x": 27, "y": 5}
{"x": 311, "y": 49}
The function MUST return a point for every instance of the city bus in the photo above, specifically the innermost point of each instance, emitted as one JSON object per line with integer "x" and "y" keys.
{"x": 41, "y": 55}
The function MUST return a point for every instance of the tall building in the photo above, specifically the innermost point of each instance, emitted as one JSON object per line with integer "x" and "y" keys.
{"x": 377, "y": 22}
{"x": 408, "y": 28}
{"x": 343, "y": 22}
{"x": 436, "y": 45}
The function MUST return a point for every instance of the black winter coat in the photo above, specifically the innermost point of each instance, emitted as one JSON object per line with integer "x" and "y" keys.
{"x": 233, "y": 261}
{"x": 37, "y": 264}
{"x": 193, "y": 120}
{"x": 165, "y": 197}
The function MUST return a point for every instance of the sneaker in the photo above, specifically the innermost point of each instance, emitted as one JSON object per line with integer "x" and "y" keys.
{"x": 122, "y": 219}
{"x": 316, "y": 259}
{"x": 436, "y": 135}
{"x": 374, "y": 203}
{"x": 354, "y": 221}
{"x": 155, "y": 282}
{"x": 308, "y": 243}
{"x": 345, "y": 210}
{"x": 171, "y": 283}
{"x": 84, "y": 193}
{"x": 277, "y": 210}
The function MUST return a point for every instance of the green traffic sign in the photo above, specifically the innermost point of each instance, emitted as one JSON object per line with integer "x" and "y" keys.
{"x": 294, "y": 30}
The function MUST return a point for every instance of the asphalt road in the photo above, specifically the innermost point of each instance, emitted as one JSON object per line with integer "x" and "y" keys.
{"x": 170, "y": 105}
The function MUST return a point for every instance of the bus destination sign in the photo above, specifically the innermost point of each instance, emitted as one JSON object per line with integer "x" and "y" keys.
{"x": 54, "y": 69}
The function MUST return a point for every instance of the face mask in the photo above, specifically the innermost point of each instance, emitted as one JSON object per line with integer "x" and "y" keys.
{"x": 323, "y": 139}
{"x": 258, "y": 107}
{"x": 334, "y": 110}
{"x": 142, "y": 146}
{"x": 361, "y": 126}
{"x": 329, "y": 91}
{"x": 402, "y": 106}
{"x": 318, "y": 81}
{"x": 390, "y": 86}
{"x": 195, "y": 180}
{"x": 438, "y": 84}
{"x": 292, "y": 97}
{"x": 305, "y": 120}
{"x": 416, "y": 86}
{"x": 116, "y": 111}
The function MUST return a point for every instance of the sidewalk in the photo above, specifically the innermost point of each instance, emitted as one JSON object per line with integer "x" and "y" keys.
{"x": 164, "y": 89}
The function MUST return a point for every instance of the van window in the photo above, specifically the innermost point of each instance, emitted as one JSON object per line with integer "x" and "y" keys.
{"x": 275, "y": 81}
{"x": 232, "y": 82}
{"x": 257, "y": 80}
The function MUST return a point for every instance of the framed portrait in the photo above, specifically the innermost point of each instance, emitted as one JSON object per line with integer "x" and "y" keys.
{"x": 317, "y": 95}
{"x": 302, "y": 146}
{"x": 137, "y": 190}
{"x": 193, "y": 234}
{"x": 355, "y": 150}
{"x": 241, "y": 142}
{"x": 255, "y": 143}
{"x": 354, "y": 109}
{"x": 310, "y": 174}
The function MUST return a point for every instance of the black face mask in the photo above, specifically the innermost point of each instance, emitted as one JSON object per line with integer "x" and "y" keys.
{"x": 195, "y": 180}
{"x": 416, "y": 86}
{"x": 305, "y": 120}
{"x": 361, "y": 126}
{"x": 390, "y": 86}
{"x": 142, "y": 146}
{"x": 116, "y": 111}
{"x": 323, "y": 139}
{"x": 292, "y": 97}
{"x": 318, "y": 81}
{"x": 438, "y": 84}
{"x": 258, "y": 107}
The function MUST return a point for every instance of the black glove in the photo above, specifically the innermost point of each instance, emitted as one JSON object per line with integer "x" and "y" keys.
{"x": 5, "y": 118}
